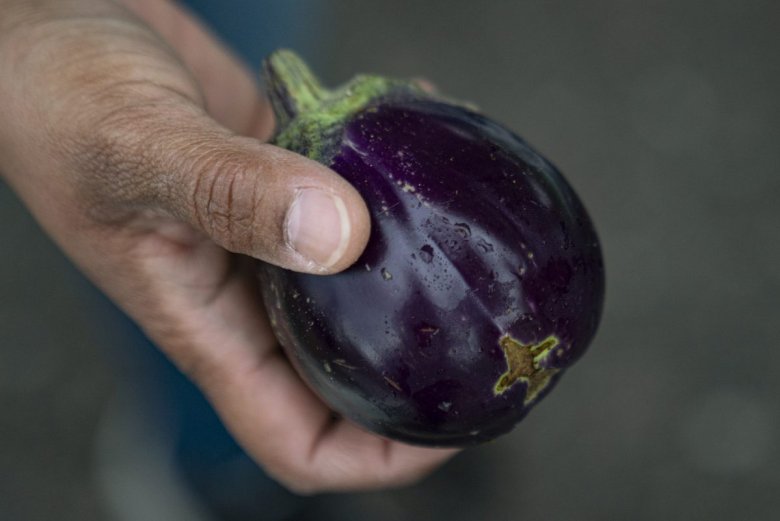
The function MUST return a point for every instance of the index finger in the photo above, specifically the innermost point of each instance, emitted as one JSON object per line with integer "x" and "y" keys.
{"x": 282, "y": 424}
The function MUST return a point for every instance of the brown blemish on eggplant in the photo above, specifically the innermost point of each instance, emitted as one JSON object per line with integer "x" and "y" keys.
{"x": 343, "y": 363}
{"x": 393, "y": 383}
{"x": 524, "y": 364}
{"x": 425, "y": 334}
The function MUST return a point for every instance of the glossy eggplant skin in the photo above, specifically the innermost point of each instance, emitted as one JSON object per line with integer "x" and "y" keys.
{"x": 482, "y": 279}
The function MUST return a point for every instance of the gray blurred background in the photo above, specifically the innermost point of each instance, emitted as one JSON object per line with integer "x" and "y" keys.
{"x": 665, "y": 116}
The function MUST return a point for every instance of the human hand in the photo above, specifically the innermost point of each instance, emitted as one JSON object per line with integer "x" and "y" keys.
{"x": 135, "y": 140}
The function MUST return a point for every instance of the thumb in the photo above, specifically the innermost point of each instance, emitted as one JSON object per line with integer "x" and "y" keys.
{"x": 266, "y": 202}
{"x": 101, "y": 101}
{"x": 249, "y": 197}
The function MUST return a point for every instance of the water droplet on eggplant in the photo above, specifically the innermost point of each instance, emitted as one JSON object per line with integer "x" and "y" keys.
{"x": 426, "y": 253}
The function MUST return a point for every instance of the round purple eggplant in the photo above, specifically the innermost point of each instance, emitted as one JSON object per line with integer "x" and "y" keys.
{"x": 482, "y": 279}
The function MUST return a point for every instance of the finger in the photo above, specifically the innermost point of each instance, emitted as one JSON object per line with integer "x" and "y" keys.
{"x": 272, "y": 414}
{"x": 268, "y": 203}
{"x": 284, "y": 426}
{"x": 230, "y": 92}
{"x": 162, "y": 152}
{"x": 317, "y": 223}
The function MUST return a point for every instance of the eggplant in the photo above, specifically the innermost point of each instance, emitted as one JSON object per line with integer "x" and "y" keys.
{"x": 482, "y": 279}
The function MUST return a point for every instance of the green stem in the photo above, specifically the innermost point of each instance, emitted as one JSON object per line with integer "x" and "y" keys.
{"x": 292, "y": 87}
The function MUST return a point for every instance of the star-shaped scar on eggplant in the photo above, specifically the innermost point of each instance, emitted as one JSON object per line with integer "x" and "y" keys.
{"x": 524, "y": 364}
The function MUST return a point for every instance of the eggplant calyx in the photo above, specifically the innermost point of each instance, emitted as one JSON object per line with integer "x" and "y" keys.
{"x": 293, "y": 87}
{"x": 309, "y": 116}
{"x": 524, "y": 363}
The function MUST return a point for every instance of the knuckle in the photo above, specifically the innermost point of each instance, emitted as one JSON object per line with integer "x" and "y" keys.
{"x": 225, "y": 199}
